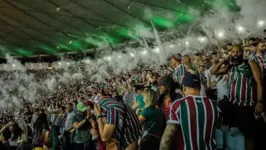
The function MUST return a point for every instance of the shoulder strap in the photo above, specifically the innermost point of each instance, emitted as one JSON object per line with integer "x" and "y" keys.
{"x": 158, "y": 114}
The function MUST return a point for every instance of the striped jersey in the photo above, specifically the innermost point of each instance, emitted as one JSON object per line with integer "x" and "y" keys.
{"x": 179, "y": 73}
{"x": 197, "y": 117}
{"x": 114, "y": 114}
{"x": 203, "y": 79}
{"x": 241, "y": 89}
{"x": 261, "y": 61}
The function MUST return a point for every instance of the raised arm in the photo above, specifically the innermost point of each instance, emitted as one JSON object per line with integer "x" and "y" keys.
{"x": 218, "y": 69}
{"x": 107, "y": 129}
{"x": 219, "y": 49}
{"x": 78, "y": 125}
{"x": 4, "y": 127}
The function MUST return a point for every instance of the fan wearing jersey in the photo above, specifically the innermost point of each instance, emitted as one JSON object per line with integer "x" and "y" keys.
{"x": 260, "y": 60}
{"x": 179, "y": 68}
{"x": 117, "y": 120}
{"x": 192, "y": 118}
{"x": 260, "y": 57}
{"x": 245, "y": 91}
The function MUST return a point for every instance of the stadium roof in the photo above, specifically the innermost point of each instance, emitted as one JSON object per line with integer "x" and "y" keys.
{"x": 35, "y": 27}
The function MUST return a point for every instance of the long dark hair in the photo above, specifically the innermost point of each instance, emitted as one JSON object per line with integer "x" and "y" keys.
{"x": 17, "y": 132}
{"x": 170, "y": 86}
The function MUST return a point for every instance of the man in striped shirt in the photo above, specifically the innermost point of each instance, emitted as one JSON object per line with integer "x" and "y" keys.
{"x": 179, "y": 68}
{"x": 193, "y": 118}
{"x": 120, "y": 120}
{"x": 243, "y": 93}
{"x": 260, "y": 58}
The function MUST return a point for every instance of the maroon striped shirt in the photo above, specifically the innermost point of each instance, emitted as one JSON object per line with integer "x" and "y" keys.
{"x": 197, "y": 117}
{"x": 114, "y": 112}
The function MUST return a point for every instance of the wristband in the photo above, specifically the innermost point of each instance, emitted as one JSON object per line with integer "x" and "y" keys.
{"x": 89, "y": 117}
{"x": 100, "y": 116}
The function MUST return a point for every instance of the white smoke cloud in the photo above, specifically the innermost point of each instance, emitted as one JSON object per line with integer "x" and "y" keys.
{"x": 221, "y": 24}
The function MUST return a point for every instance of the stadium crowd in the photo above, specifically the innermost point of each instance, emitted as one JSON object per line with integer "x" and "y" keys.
{"x": 194, "y": 102}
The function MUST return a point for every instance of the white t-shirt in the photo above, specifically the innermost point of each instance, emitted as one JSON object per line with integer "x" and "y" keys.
{"x": 202, "y": 90}
{"x": 221, "y": 86}
{"x": 213, "y": 77}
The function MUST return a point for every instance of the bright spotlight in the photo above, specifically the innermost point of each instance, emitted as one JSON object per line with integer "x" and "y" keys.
{"x": 68, "y": 63}
{"x": 144, "y": 52}
{"x": 187, "y": 43}
{"x": 202, "y": 39}
{"x": 13, "y": 65}
{"x": 70, "y": 42}
{"x": 172, "y": 45}
{"x": 59, "y": 63}
{"x": 261, "y": 23}
{"x": 240, "y": 28}
{"x": 119, "y": 56}
{"x": 109, "y": 58}
{"x": 156, "y": 50}
{"x": 220, "y": 34}
{"x": 132, "y": 55}
{"x": 58, "y": 9}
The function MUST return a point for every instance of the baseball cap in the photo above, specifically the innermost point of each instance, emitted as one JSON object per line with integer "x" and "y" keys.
{"x": 81, "y": 107}
{"x": 191, "y": 81}
{"x": 177, "y": 57}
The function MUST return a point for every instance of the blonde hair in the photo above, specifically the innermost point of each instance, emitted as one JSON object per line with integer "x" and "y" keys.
{"x": 150, "y": 97}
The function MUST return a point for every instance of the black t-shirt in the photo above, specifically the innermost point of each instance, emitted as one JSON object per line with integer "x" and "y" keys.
{"x": 3, "y": 146}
